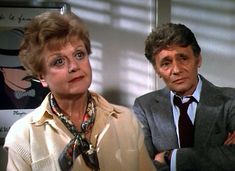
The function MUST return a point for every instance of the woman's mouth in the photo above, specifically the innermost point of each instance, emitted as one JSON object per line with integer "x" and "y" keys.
{"x": 76, "y": 79}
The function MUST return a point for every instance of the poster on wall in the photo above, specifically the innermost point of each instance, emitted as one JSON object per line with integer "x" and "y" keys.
{"x": 19, "y": 92}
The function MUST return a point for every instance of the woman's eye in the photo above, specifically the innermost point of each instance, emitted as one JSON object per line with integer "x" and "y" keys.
{"x": 80, "y": 55}
{"x": 58, "y": 62}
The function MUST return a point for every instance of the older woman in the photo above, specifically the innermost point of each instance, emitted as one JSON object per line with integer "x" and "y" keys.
{"x": 73, "y": 128}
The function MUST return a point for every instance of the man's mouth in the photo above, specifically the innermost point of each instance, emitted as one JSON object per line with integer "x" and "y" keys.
{"x": 179, "y": 81}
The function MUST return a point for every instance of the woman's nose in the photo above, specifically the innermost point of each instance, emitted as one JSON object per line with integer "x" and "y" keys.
{"x": 73, "y": 65}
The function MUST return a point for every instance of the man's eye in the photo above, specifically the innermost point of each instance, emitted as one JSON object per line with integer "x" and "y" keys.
{"x": 183, "y": 57}
{"x": 165, "y": 64}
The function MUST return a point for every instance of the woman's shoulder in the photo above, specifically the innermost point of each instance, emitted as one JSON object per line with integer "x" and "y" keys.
{"x": 19, "y": 131}
{"x": 21, "y": 124}
{"x": 121, "y": 108}
{"x": 120, "y": 113}
{"x": 106, "y": 105}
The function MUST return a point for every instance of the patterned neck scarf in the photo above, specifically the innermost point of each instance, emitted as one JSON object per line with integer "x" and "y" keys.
{"x": 79, "y": 144}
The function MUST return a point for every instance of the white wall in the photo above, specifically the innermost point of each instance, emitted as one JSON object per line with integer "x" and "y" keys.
{"x": 118, "y": 29}
{"x": 213, "y": 22}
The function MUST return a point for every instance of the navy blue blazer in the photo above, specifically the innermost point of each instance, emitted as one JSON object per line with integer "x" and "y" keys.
{"x": 215, "y": 118}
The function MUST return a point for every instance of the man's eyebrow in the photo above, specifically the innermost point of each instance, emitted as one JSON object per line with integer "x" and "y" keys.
{"x": 181, "y": 54}
{"x": 165, "y": 58}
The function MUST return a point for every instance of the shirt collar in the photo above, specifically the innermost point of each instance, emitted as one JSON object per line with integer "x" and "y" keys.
{"x": 44, "y": 114}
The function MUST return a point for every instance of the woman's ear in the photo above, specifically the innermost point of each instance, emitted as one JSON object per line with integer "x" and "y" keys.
{"x": 43, "y": 81}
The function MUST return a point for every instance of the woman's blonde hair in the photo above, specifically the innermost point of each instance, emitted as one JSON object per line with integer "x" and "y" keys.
{"x": 50, "y": 30}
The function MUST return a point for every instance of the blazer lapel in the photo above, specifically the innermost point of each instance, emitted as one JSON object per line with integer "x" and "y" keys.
{"x": 206, "y": 114}
{"x": 164, "y": 121}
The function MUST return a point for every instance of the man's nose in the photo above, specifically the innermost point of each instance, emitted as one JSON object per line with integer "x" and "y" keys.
{"x": 176, "y": 67}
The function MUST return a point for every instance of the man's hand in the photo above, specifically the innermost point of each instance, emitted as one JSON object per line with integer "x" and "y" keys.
{"x": 164, "y": 157}
{"x": 160, "y": 158}
{"x": 230, "y": 139}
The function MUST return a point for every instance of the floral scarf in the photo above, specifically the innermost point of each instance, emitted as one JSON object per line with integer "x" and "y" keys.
{"x": 79, "y": 144}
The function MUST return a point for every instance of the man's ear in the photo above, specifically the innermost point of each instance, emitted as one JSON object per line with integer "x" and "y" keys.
{"x": 156, "y": 71}
{"x": 43, "y": 81}
{"x": 199, "y": 62}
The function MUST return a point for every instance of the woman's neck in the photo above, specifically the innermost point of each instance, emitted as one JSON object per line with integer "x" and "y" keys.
{"x": 73, "y": 107}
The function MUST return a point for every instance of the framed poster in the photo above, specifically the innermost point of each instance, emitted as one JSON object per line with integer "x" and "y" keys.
{"x": 19, "y": 94}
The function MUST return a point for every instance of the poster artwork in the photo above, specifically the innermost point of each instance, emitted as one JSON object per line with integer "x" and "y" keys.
{"x": 19, "y": 93}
